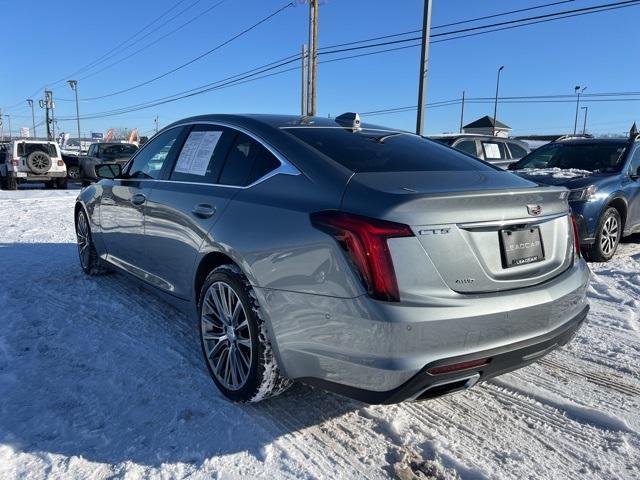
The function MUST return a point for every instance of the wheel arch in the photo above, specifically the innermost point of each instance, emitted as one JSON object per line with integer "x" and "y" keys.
{"x": 620, "y": 204}
{"x": 207, "y": 263}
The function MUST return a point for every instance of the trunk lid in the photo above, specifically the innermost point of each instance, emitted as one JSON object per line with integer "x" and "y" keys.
{"x": 458, "y": 217}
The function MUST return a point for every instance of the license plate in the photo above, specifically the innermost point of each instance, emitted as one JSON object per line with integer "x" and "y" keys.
{"x": 21, "y": 174}
{"x": 521, "y": 246}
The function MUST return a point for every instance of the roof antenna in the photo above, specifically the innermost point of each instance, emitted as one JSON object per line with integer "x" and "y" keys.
{"x": 350, "y": 120}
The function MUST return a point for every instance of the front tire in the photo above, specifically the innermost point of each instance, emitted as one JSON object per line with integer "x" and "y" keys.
{"x": 89, "y": 260}
{"x": 234, "y": 340}
{"x": 608, "y": 235}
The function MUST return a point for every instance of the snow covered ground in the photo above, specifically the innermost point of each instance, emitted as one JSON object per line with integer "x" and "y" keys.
{"x": 98, "y": 379}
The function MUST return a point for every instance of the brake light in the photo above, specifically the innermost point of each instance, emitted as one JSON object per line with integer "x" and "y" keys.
{"x": 60, "y": 163}
{"x": 14, "y": 163}
{"x": 365, "y": 242}
{"x": 456, "y": 367}
{"x": 576, "y": 235}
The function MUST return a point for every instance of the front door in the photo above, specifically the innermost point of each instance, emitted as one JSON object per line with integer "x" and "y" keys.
{"x": 124, "y": 201}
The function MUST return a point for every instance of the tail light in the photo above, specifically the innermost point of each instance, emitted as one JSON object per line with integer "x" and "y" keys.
{"x": 365, "y": 242}
{"x": 576, "y": 235}
{"x": 60, "y": 163}
{"x": 14, "y": 163}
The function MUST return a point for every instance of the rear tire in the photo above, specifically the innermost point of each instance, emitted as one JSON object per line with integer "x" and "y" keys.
{"x": 74, "y": 173}
{"x": 89, "y": 260}
{"x": 608, "y": 234}
{"x": 234, "y": 340}
{"x": 9, "y": 183}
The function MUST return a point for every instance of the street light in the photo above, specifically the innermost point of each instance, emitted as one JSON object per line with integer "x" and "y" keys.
{"x": 584, "y": 126}
{"x": 579, "y": 91}
{"x": 74, "y": 86}
{"x": 9, "y": 118}
{"x": 33, "y": 117}
{"x": 495, "y": 105}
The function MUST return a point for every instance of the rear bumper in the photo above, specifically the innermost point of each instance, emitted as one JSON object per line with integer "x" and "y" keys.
{"x": 32, "y": 177}
{"x": 378, "y": 352}
{"x": 425, "y": 385}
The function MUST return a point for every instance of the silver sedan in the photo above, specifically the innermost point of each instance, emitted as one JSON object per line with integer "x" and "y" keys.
{"x": 365, "y": 260}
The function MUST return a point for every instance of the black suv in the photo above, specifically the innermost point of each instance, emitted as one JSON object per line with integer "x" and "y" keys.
{"x": 104, "y": 153}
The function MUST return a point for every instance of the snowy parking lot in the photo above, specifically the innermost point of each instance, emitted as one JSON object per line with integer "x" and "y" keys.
{"x": 100, "y": 379}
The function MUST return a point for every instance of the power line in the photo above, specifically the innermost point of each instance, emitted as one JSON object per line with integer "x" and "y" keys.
{"x": 195, "y": 59}
{"x": 234, "y": 81}
{"x": 470, "y": 20}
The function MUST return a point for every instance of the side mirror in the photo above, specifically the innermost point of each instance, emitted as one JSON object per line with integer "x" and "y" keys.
{"x": 108, "y": 170}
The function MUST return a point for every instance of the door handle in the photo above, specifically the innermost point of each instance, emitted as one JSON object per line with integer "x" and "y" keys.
{"x": 203, "y": 210}
{"x": 138, "y": 199}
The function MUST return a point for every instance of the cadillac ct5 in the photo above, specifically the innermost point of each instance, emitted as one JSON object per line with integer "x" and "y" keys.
{"x": 364, "y": 260}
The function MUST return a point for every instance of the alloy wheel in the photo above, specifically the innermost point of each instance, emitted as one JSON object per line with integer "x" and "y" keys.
{"x": 609, "y": 236}
{"x": 74, "y": 173}
{"x": 226, "y": 335}
{"x": 84, "y": 240}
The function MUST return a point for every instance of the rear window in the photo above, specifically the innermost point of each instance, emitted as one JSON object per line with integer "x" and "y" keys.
{"x": 24, "y": 149}
{"x": 385, "y": 151}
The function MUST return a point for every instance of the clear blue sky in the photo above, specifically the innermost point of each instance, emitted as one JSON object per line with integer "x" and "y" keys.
{"x": 48, "y": 41}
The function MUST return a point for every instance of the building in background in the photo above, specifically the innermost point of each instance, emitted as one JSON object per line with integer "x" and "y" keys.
{"x": 485, "y": 126}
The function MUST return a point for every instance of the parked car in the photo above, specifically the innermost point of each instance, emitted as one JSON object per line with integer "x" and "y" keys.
{"x": 32, "y": 161}
{"x": 103, "y": 153}
{"x": 495, "y": 150}
{"x": 367, "y": 261}
{"x": 72, "y": 161}
{"x": 604, "y": 178}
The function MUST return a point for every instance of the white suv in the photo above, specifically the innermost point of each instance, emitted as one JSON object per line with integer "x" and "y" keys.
{"x": 32, "y": 161}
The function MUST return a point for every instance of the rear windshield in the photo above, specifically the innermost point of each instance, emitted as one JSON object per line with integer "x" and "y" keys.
{"x": 25, "y": 149}
{"x": 385, "y": 151}
{"x": 594, "y": 157}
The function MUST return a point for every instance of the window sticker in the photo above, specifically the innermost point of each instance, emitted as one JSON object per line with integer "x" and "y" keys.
{"x": 491, "y": 150}
{"x": 197, "y": 152}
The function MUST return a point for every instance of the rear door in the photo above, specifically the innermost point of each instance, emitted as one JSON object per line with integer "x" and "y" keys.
{"x": 495, "y": 152}
{"x": 214, "y": 164}
{"x": 631, "y": 186}
{"x": 124, "y": 201}
{"x": 467, "y": 145}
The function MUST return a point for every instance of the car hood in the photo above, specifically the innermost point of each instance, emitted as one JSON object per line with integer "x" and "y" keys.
{"x": 570, "y": 178}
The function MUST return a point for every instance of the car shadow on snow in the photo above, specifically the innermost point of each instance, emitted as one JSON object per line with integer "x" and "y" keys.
{"x": 99, "y": 368}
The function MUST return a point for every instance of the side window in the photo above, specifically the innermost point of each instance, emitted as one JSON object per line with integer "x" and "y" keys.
{"x": 517, "y": 151}
{"x": 494, "y": 150}
{"x": 202, "y": 154}
{"x": 149, "y": 161}
{"x": 634, "y": 165}
{"x": 247, "y": 162}
{"x": 467, "y": 146}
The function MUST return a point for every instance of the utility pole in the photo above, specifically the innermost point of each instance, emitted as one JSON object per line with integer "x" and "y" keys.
{"x": 1, "y": 127}
{"x": 579, "y": 90}
{"x": 304, "y": 102}
{"x": 495, "y": 105}
{"x": 584, "y": 125}
{"x": 424, "y": 66}
{"x": 33, "y": 117}
{"x": 155, "y": 120}
{"x": 9, "y": 118}
{"x": 47, "y": 103}
{"x": 74, "y": 86}
{"x": 462, "y": 112}
{"x": 312, "y": 92}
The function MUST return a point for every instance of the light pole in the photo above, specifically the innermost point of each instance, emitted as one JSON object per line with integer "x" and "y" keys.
{"x": 33, "y": 117}
{"x": 9, "y": 118}
{"x": 74, "y": 86}
{"x": 584, "y": 126}
{"x": 579, "y": 91}
{"x": 495, "y": 105}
